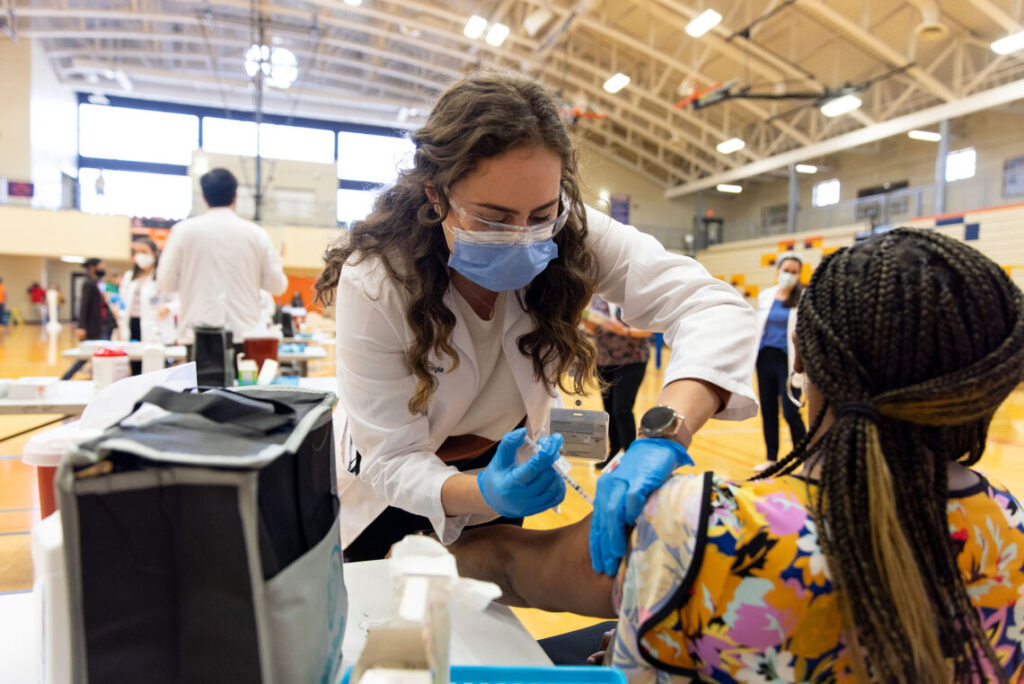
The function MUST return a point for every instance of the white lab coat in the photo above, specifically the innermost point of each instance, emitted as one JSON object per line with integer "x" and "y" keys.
{"x": 153, "y": 328}
{"x": 764, "y": 305}
{"x": 711, "y": 330}
{"x": 217, "y": 263}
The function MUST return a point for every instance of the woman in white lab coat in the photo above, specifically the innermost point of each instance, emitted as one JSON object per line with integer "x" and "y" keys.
{"x": 458, "y": 300}
{"x": 147, "y": 315}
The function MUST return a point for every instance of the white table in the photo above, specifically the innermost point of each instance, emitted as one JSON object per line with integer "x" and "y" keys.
{"x": 69, "y": 400}
{"x": 493, "y": 637}
{"x": 179, "y": 353}
{"x": 72, "y": 396}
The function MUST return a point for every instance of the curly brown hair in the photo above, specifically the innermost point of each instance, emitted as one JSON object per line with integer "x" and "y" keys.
{"x": 915, "y": 339}
{"x": 481, "y": 116}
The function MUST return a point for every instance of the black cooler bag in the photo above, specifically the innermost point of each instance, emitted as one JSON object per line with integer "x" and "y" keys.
{"x": 202, "y": 544}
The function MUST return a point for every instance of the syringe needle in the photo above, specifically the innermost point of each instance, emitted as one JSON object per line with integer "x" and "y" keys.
{"x": 562, "y": 467}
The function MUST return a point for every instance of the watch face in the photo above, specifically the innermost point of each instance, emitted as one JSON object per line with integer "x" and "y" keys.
{"x": 657, "y": 419}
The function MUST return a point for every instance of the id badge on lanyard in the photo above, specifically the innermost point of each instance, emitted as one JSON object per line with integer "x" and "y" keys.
{"x": 585, "y": 432}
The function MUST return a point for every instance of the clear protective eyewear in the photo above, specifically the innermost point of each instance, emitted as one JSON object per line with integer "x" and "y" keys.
{"x": 479, "y": 230}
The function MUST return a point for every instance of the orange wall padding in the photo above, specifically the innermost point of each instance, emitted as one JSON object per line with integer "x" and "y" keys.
{"x": 305, "y": 286}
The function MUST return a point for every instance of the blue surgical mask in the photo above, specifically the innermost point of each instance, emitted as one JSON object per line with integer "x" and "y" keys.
{"x": 500, "y": 256}
{"x": 499, "y": 265}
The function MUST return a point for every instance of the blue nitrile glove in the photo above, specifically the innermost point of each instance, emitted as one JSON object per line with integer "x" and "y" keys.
{"x": 516, "y": 491}
{"x": 621, "y": 495}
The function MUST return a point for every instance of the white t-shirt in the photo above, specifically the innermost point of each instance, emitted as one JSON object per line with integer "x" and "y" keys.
{"x": 218, "y": 263}
{"x": 498, "y": 406}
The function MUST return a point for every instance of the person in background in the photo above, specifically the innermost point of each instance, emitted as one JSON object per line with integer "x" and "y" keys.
{"x": 146, "y": 316}
{"x": 297, "y": 300}
{"x": 622, "y": 354}
{"x": 776, "y": 311}
{"x": 95, "y": 319}
{"x": 873, "y": 551}
{"x": 3, "y": 303}
{"x": 37, "y": 295}
{"x": 218, "y": 262}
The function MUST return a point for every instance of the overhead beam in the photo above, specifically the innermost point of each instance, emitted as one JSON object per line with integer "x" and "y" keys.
{"x": 998, "y": 15}
{"x": 881, "y": 49}
{"x": 925, "y": 117}
{"x": 657, "y": 55}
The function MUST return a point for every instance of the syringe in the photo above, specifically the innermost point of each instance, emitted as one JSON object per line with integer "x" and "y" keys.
{"x": 562, "y": 467}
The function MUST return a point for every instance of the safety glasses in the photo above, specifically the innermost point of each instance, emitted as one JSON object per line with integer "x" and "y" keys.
{"x": 495, "y": 232}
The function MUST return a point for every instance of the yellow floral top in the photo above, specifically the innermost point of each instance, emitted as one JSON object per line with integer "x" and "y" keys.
{"x": 726, "y": 582}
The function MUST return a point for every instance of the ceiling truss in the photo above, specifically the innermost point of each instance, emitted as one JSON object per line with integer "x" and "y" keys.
{"x": 371, "y": 62}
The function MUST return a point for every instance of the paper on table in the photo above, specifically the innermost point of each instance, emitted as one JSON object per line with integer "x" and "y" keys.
{"x": 418, "y": 555}
{"x": 117, "y": 400}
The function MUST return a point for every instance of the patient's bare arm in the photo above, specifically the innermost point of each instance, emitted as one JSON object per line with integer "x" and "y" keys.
{"x": 547, "y": 569}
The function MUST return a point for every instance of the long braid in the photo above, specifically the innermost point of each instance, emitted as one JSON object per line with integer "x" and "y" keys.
{"x": 929, "y": 334}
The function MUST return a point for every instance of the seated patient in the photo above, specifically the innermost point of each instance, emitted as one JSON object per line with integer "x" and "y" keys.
{"x": 873, "y": 552}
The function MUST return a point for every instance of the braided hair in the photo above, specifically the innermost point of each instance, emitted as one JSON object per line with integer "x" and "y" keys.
{"x": 914, "y": 339}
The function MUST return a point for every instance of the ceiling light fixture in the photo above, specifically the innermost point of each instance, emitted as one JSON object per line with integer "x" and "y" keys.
{"x": 475, "y": 27}
{"x": 1011, "y": 43}
{"x": 278, "y": 64}
{"x": 806, "y": 168}
{"x": 497, "y": 34}
{"x": 731, "y": 145}
{"x": 353, "y": 3}
{"x": 730, "y": 189}
{"x": 616, "y": 83}
{"x": 704, "y": 22}
{"x": 927, "y": 136}
{"x": 840, "y": 105}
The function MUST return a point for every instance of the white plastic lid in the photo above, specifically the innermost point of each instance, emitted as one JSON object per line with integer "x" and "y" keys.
{"x": 47, "y": 448}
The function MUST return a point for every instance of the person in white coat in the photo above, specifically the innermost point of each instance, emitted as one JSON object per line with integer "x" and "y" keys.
{"x": 776, "y": 313}
{"x": 458, "y": 300}
{"x": 148, "y": 314}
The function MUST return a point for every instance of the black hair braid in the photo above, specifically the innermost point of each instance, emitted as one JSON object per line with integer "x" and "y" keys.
{"x": 931, "y": 334}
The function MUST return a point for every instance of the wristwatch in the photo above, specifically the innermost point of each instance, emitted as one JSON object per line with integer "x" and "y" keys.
{"x": 661, "y": 421}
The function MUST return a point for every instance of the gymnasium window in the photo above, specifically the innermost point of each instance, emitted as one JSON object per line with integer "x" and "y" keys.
{"x": 372, "y": 158}
{"x": 961, "y": 164}
{"x": 826, "y": 193}
{"x": 354, "y": 205}
{"x": 134, "y": 193}
{"x": 277, "y": 141}
{"x": 139, "y": 135}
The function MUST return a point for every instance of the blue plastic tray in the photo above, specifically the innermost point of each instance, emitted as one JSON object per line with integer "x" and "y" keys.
{"x": 492, "y": 674}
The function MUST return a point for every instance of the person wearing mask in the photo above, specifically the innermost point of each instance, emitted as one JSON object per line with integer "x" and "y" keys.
{"x": 874, "y": 551}
{"x": 217, "y": 263}
{"x": 776, "y": 312}
{"x": 622, "y": 354}
{"x": 146, "y": 316}
{"x": 95, "y": 319}
{"x": 458, "y": 303}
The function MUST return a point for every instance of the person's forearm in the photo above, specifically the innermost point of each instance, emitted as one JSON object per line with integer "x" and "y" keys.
{"x": 460, "y": 495}
{"x": 696, "y": 400}
{"x": 548, "y": 569}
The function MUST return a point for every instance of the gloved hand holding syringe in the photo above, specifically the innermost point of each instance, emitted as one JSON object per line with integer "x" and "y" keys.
{"x": 562, "y": 467}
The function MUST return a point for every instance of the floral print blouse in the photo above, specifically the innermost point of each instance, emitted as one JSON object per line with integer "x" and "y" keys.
{"x": 726, "y": 582}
